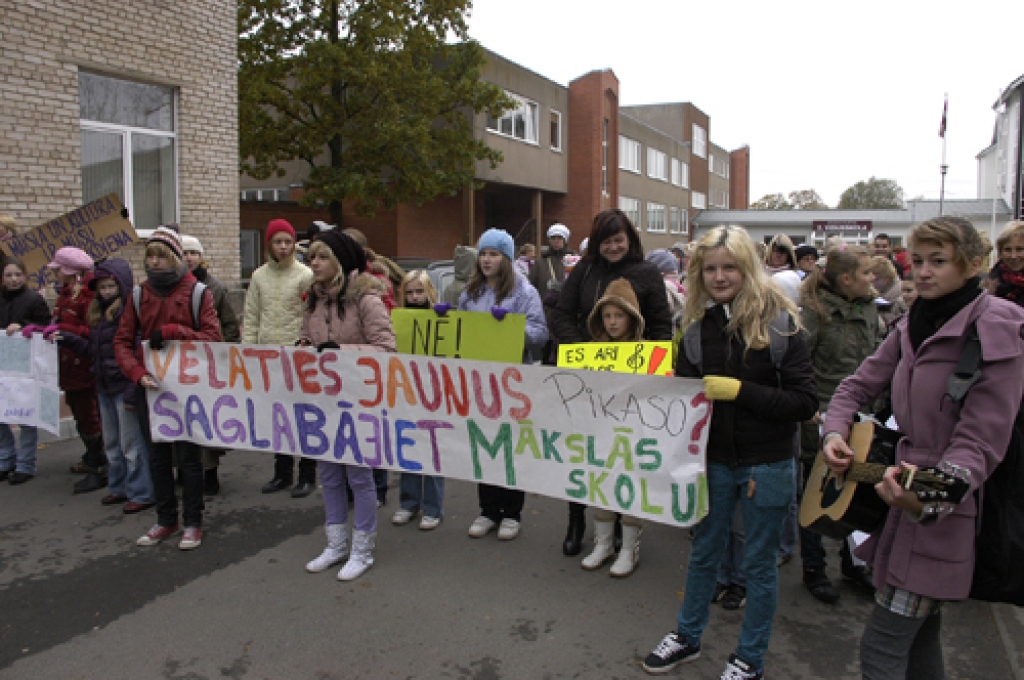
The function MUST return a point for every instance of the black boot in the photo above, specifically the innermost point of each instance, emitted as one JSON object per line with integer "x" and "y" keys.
{"x": 573, "y": 543}
{"x": 305, "y": 487}
{"x": 93, "y": 481}
{"x": 283, "y": 470}
{"x": 617, "y": 541}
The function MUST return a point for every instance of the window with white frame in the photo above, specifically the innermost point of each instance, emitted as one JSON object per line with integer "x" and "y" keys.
{"x": 677, "y": 173}
{"x": 711, "y": 163}
{"x": 700, "y": 141}
{"x": 698, "y": 200}
{"x": 684, "y": 175}
{"x": 519, "y": 122}
{"x": 128, "y": 146}
{"x": 673, "y": 220}
{"x": 657, "y": 164}
{"x": 556, "y": 130}
{"x": 629, "y": 154}
{"x": 631, "y": 207}
{"x": 656, "y": 218}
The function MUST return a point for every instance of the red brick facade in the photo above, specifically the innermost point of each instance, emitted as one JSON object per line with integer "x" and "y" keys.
{"x": 739, "y": 178}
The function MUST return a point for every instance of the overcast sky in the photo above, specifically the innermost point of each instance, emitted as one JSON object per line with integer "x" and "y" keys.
{"x": 825, "y": 93}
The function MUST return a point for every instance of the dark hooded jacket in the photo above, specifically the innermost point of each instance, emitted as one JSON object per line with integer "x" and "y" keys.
{"x": 98, "y": 347}
{"x": 464, "y": 264}
{"x": 69, "y": 314}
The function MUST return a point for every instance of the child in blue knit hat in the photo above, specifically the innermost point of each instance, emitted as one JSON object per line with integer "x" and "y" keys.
{"x": 497, "y": 287}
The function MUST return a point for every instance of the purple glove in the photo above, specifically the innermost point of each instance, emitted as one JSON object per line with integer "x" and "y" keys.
{"x": 27, "y": 331}
{"x": 442, "y": 308}
{"x": 499, "y": 313}
{"x": 50, "y": 330}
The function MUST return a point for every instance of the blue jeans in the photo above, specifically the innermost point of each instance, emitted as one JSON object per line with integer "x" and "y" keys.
{"x": 730, "y": 569}
{"x": 791, "y": 529}
{"x": 20, "y": 457}
{"x": 426, "y": 491}
{"x": 127, "y": 454}
{"x": 763, "y": 516}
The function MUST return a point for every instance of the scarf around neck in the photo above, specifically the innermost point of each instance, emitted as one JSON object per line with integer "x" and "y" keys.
{"x": 1011, "y": 283}
{"x": 163, "y": 282}
{"x": 928, "y": 316}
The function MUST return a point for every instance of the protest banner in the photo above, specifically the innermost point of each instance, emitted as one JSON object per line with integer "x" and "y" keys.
{"x": 97, "y": 228}
{"x": 29, "y": 394}
{"x": 629, "y": 443}
{"x": 639, "y": 358}
{"x": 460, "y": 335}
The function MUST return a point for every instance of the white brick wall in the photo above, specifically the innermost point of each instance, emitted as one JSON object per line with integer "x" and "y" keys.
{"x": 188, "y": 44}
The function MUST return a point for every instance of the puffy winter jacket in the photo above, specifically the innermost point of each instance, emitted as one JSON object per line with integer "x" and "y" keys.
{"x": 171, "y": 314}
{"x": 225, "y": 312}
{"x": 365, "y": 320}
{"x": 24, "y": 307}
{"x": 69, "y": 314}
{"x": 273, "y": 306}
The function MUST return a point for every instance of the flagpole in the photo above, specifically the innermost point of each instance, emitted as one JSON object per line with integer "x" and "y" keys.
{"x": 943, "y": 167}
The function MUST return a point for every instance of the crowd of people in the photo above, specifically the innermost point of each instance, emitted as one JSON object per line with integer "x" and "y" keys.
{"x": 790, "y": 343}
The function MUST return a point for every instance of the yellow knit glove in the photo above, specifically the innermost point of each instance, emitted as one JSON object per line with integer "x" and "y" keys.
{"x": 720, "y": 388}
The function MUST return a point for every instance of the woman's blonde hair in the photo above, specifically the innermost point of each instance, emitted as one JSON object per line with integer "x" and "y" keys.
{"x": 321, "y": 248}
{"x": 1014, "y": 228}
{"x": 883, "y": 268}
{"x": 956, "y": 231}
{"x": 838, "y": 262}
{"x": 759, "y": 300}
{"x": 418, "y": 276}
{"x": 506, "y": 281}
{"x": 95, "y": 311}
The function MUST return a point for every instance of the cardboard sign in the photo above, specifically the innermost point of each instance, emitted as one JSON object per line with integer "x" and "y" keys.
{"x": 638, "y": 358}
{"x": 460, "y": 335}
{"x": 97, "y": 228}
{"x": 629, "y": 443}
{"x": 29, "y": 394}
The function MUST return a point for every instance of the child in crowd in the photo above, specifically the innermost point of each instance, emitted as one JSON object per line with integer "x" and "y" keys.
{"x": 925, "y": 553}
{"x": 616, "y": 318}
{"x": 165, "y": 313}
{"x": 75, "y": 266}
{"x": 524, "y": 263}
{"x": 21, "y": 309}
{"x": 344, "y": 310}
{"x": 497, "y": 288}
{"x": 750, "y": 449}
{"x": 128, "y": 476}
{"x": 842, "y": 329}
{"x": 668, "y": 265}
{"x": 273, "y": 316}
{"x": 888, "y": 287}
{"x": 909, "y": 290}
{"x": 418, "y": 491}
{"x": 197, "y": 264}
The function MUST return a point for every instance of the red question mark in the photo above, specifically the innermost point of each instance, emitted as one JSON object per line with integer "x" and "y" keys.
{"x": 695, "y": 433}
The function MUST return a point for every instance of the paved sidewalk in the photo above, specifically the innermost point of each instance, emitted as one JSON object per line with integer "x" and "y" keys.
{"x": 79, "y": 600}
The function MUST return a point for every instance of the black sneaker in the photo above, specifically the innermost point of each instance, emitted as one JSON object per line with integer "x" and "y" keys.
{"x": 735, "y": 597}
{"x": 670, "y": 652}
{"x": 720, "y": 590}
{"x": 821, "y": 588}
{"x": 738, "y": 669}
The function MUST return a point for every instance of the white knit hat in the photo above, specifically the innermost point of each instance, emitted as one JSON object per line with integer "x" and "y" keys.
{"x": 191, "y": 243}
{"x": 558, "y": 229}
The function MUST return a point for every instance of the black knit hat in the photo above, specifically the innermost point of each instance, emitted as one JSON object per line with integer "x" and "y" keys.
{"x": 350, "y": 256}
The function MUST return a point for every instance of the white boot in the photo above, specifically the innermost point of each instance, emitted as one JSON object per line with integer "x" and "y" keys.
{"x": 604, "y": 540}
{"x": 362, "y": 555}
{"x": 629, "y": 556}
{"x": 335, "y": 552}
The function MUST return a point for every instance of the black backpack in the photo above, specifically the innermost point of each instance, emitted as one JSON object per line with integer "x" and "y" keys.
{"x": 999, "y": 545}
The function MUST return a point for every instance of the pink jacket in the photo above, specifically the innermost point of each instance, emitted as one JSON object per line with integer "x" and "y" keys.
{"x": 366, "y": 322}
{"x": 937, "y": 559}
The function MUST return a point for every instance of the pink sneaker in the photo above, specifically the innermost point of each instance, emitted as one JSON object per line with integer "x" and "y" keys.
{"x": 191, "y": 539}
{"x": 156, "y": 534}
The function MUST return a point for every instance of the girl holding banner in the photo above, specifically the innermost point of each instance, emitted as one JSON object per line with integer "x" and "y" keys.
{"x": 760, "y": 395}
{"x": 20, "y": 309}
{"x": 345, "y": 309}
{"x": 497, "y": 288}
{"x": 418, "y": 491}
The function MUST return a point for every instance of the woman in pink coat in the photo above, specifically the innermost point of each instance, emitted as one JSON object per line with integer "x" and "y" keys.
{"x": 925, "y": 553}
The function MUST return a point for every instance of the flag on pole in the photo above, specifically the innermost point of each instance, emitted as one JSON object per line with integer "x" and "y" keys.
{"x": 942, "y": 125}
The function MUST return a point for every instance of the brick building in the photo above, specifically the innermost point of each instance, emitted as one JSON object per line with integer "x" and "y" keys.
{"x": 569, "y": 152}
{"x": 137, "y": 98}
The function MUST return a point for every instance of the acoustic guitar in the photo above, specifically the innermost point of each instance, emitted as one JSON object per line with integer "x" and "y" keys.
{"x": 837, "y": 505}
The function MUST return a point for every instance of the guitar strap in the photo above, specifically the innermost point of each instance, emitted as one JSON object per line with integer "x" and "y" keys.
{"x": 968, "y": 368}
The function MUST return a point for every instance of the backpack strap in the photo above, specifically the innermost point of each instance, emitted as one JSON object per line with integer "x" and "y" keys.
{"x": 968, "y": 368}
{"x": 691, "y": 345}
{"x": 778, "y": 335}
{"x": 197, "y": 303}
{"x": 137, "y": 301}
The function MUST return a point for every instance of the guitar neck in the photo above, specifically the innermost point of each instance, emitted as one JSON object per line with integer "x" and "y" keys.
{"x": 868, "y": 473}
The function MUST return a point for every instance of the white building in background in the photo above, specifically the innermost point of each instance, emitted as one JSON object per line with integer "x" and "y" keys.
{"x": 1000, "y": 164}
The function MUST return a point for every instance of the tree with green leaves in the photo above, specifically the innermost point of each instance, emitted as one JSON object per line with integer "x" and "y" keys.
{"x": 874, "y": 194}
{"x": 369, "y": 93}
{"x": 771, "y": 202}
{"x": 806, "y": 199}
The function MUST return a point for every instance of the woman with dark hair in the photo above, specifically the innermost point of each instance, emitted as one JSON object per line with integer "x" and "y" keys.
{"x": 613, "y": 252}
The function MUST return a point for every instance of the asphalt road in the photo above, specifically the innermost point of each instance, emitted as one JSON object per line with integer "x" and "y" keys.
{"x": 78, "y": 599}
